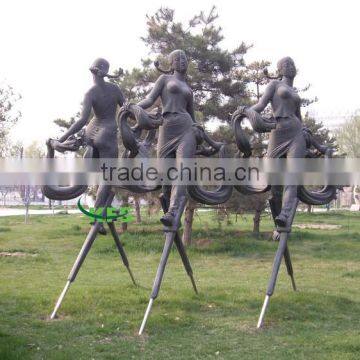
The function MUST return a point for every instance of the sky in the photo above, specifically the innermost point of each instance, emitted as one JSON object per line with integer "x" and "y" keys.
{"x": 48, "y": 46}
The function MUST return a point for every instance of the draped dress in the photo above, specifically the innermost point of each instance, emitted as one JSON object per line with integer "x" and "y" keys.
{"x": 287, "y": 138}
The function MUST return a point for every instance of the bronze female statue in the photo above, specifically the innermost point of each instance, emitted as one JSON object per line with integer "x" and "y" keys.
{"x": 100, "y": 133}
{"x": 103, "y": 98}
{"x": 177, "y": 135}
{"x": 100, "y": 140}
{"x": 179, "y": 138}
{"x": 287, "y": 139}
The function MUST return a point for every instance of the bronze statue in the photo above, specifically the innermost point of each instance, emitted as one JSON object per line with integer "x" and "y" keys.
{"x": 177, "y": 137}
{"x": 288, "y": 138}
{"x": 100, "y": 140}
{"x": 181, "y": 137}
{"x": 100, "y": 133}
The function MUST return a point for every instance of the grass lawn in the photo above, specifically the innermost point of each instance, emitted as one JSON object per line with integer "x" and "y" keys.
{"x": 102, "y": 311}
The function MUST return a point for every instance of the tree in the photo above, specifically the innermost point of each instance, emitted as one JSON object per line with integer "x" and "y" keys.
{"x": 348, "y": 140}
{"x": 4, "y": 190}
{"x": 319, "y": 131}
{"x": 34, "y": 151}
{"x": 239, "y": 203}
{"x": 29, "y": 192}
{"x": 216, "y": 76}
{"x": 188, "y": 222}
{"x": 348, "y": 136}
{"x": 66, "y": 124}
{"x": 255, "y": 75}
{"x": 321, "y": 134}
{"x": 9, "y": 115}
{"x": 137, "y": 200}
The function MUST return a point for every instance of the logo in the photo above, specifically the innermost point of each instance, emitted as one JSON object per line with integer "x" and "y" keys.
{"x": 108, "y": 214}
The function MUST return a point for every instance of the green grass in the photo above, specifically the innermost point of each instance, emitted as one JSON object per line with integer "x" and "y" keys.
{"x": 102, "y": 311}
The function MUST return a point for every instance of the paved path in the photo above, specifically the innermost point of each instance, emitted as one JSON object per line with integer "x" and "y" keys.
{"x": 14, "y": 212}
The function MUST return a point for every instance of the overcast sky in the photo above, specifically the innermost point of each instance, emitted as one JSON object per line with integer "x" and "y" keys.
{"x": 47, "y": 47}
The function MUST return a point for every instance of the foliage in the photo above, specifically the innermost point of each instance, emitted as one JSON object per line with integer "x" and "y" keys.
{"x": 319, "y": 131}
{"x": 34, "y": 150}
{"x": 65, "y": 124}
{"x": 216, "y": 76}
{"x": 348, "y": 136}
{"x": 9, "y": 116}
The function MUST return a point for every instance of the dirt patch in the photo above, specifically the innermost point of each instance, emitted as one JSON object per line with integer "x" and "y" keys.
{"x": 203, "y": 243}
{"x": 16, "y": 254}
{"x": 105, "y": 340}
{"x": 247, "y": 327}
{"x": 317, "y": 226}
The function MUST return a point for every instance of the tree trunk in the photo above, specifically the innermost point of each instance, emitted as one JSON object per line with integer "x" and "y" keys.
{"x": 125, "y": 203}
{"x": 189, "y": 217}
{"x": 257, "y": 219}
{"x": 309, "y": 208}
{"x": 137, "y": 210}
{"x": 27, "y": 202}
{"x": 26, "y": 212}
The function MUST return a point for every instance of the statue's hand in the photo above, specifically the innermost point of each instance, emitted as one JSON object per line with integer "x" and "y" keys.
{"x": 201, "y": 136}
{"x": 70, "y": 144}
{"x": 240, "y": 111}
{"x": 205, "y": 151}
{"x": 126, "y": 106}
{"x": 50, "y": 143}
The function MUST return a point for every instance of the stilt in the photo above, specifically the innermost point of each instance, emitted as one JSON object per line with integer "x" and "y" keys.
{"x": 282, "y": 247}
{"x": 78, "y": 262}
{"x": 263, "y": 310}
{"x": 159, "y": 275}
{"x": 147, "y": 312}
{"x": 170, "y": 234}
{"x": 85, "y": 250}
{"x": 180, "y": 247}
{"x": 61, "y": 297}
{"x": 289, "y": 267}
{"x": 274, "y": 274}
{"x": 275, "y": 207}
{"x": 121, "y": 250}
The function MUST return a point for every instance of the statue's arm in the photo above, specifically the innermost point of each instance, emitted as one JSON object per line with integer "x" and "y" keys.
{"x": 153, "y": 94}
{"x": 120, "y": 98}
{"x": 265, "y": 99}
{"x": 84, "y": 117}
